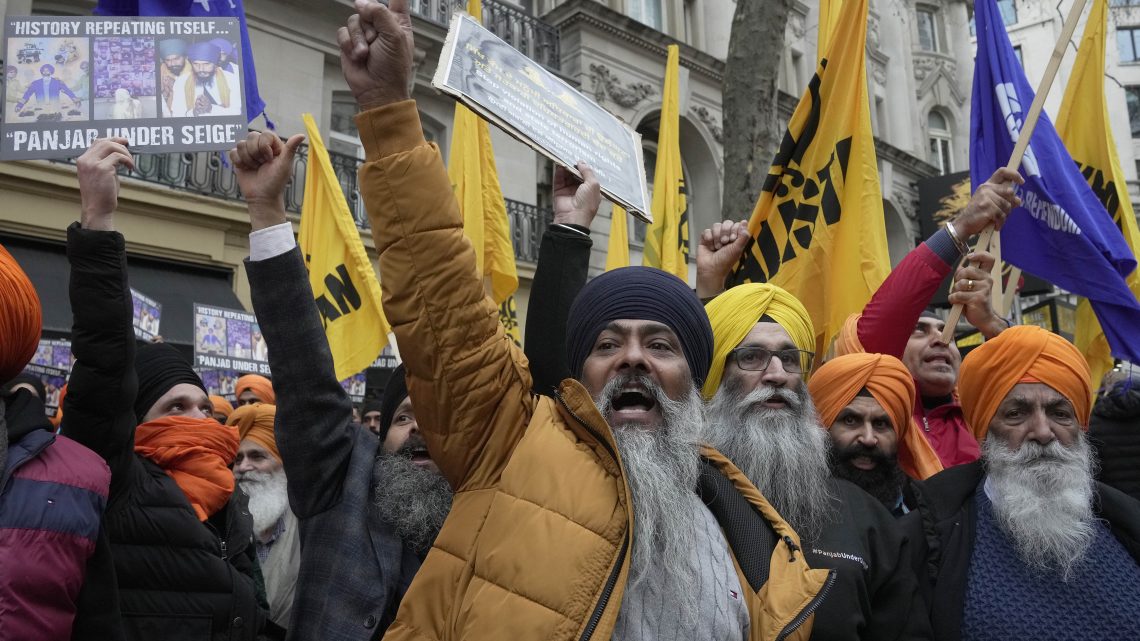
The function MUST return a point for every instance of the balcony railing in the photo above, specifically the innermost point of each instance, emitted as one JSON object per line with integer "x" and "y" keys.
{"x": 530, "y": 35}
{"x": 206, "y": 174}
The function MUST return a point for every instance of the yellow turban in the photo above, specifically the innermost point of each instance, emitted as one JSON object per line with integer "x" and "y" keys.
{"x": 735, "y": 312}
{"x": 1025, "y": 353}
{"x": 841, "y": 379}
{"x": 255, "y": 422}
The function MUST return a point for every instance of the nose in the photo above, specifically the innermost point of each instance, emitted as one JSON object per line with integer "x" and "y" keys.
{"x": 243, "y": 466}
{"x": 1038, "y": 429}
{"x": 197, "y": 412}
{"x": 633, "y": 356}
{"x": 866, "y": 436}
{"x": 775, "y": 375}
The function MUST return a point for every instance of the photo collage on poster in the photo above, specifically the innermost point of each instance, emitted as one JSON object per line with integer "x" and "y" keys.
{"x": 147, "y": 315}
{"x": 227, "y": 344}
{"x": 68, "y": 81}
{"x": 52, "y": 365}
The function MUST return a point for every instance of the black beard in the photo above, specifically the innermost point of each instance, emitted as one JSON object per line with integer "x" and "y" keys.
{"x": 884, "y": 483}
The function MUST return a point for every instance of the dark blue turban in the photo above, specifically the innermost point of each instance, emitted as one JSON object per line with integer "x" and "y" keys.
{"x": 203, "y": 52}
{"x": 639, "y": 293}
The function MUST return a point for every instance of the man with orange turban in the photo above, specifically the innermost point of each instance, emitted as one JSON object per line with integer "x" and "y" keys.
{"x": 1029, "y": 546}
{"x": 258, "y": 470}
{"x": 222, "y": 408}
{"x": 57, "y": 580}
{"x": 181, "y": 535}
{"x": 865, "y": 401}
{"x": 761, "y": 417}
{"x": 253, "y": 388}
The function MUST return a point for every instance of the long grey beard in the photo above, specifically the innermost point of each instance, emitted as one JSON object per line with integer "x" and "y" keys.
{"x": 268, "y": 498}
{"x": 784, "y": 452}
{"x": 662, "y": 466}
{"x": 1043, "y": 500}
{"x": 413, "y": 500}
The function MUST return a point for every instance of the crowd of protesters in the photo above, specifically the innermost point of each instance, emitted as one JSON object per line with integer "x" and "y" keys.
{"x": 661, "y": 463}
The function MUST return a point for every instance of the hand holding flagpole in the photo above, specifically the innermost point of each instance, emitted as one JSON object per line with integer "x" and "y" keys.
{"x": 1026, "y": 133}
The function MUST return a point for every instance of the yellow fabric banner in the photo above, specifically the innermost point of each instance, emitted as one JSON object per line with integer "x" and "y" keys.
{"x": 343, "y": 280}
{"x": 1084, "y": 127}
{"x": 828, "y": 16}
{"x": 667, "y": 240}
{"x": 475, "y": 180}
{"x": 818, "y": 230}
{"x": 617, "y": 253}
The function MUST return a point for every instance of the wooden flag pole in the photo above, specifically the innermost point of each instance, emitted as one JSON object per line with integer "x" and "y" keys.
{"x": 1010, "y": 291}
{"x": 995, "y": 271}
{"x": 1027, "y": 128}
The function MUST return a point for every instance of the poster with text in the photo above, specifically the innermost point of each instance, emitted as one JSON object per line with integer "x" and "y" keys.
{"x": 147, "y": 315}
{"x": 166, "y": 84}
{"x": 354, "y": 386}
{"x": 53, "y": 379}
{"x": 53, "y": 352}
{"x": 222, "y": 382}
{"x": 228, "y": 339}
{"x": 521, "y": 97}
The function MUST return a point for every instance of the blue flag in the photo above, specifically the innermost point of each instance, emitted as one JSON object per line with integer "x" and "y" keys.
{"x": 254, "y": 105}
{"x": 1062, "y": 232}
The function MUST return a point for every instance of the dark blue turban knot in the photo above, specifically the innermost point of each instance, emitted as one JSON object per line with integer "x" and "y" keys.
{"x": 639, "y": 293}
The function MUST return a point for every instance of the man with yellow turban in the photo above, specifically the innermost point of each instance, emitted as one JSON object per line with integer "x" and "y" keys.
{"x": 865, "y": 403}
{"x": 761, "y": 417}
{"x": 1024, "y": 543}
{"x": 253, "y": 388}
{"x": 258, "y": 470}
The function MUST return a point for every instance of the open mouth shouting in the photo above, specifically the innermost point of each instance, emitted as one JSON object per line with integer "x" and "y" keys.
{"x": 633, "y": 400}
{"x": 939, "y": 361}
{"x": 416, "y": 451}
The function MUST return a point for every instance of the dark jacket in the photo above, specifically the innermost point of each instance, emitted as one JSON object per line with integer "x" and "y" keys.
{"x": 179, "y": 578}
{"x": 354, "y": 569}
{"x": 563, "y": 264}
{"x": 1114, "y": 432}
{"x": 57, "y": 580}
{"x": 947, "y": 514}
{"x": 887, "y": 322}
{"x": 875, "y": 593}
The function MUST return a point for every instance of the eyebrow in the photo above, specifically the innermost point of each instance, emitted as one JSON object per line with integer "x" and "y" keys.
{"x": 927, "y": 324}
{"x": 651, "y": 327}
{"x": 785, "y": 345}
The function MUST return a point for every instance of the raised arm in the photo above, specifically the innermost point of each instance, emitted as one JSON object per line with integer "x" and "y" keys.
{"x": 99, "y": 409}
{"x": 563, "y": 265}
{"x": 313, "y": 426}
{"x": 468, "y": 382}
{"x": 890, "y": 316}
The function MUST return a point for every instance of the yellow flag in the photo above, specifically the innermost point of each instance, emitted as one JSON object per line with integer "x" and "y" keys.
{"x": 667, "y": 239}
{"x": 343, "y": 281}
{"x": 818, "y": 230}
{"x": 828, "y": 16}
{"x": 617, "y": 254}
{"x": 475, "y": 180}
{"x": 1083, "y": 126}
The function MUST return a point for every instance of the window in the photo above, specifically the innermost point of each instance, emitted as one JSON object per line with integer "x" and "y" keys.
{"x": 647, "y": 12}
{"x": 938, "y": 132}
{"x": 343, "y": 136}
{"x": 691, "y": 29}
{"x": 1008, "y": 14}
{"x": 1132, "y": 97}
{"x": 1017, "y": 54}
{"x": 1128, "y": 42}
{"x": 928, "y": 39}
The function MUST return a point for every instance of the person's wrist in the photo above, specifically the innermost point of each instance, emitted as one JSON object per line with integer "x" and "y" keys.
{"x": 709, "y": 286}
{"x": 264, "y": 214}
{"x": 96, "y": 219}
{"x": 994, "y": 326}
{"x": 376, "y": 98}
{"x": 575, "y": 217}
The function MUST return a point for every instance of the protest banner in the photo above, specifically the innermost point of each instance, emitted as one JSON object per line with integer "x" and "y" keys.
{"x": 228, "y": 339}
{"x": 354, "y": 386}
{"x": 53, "y": 378}
{"x": 220, "y": 382}
{"x": 147, "y": 315}
{"x": 164, "y": 84}
{"x": 519, "y": 96}
{"x": 53, "y": 353}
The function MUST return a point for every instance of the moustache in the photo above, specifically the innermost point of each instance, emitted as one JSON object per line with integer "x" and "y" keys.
{"x": 627, "y": 384}
{"x": 765, "y": 393}
{"x": 414, "y": 445}
{"x": 856, "y": 450}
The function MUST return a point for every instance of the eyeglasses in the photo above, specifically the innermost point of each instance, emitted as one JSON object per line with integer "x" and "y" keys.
{"x": 757, "y": 359}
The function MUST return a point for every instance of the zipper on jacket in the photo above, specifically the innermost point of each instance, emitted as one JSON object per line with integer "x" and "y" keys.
{"x": 925, "y": 423}
{"x": 225, "y": 554}
{"x": 810, "y": 609}
{"x": 792, "y": 548}
{"x": 611, "y": 581}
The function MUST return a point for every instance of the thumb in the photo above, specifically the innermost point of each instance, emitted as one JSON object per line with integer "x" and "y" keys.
{"x": 292, "y": 144}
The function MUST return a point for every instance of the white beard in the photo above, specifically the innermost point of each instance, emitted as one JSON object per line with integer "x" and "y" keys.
{"x": 1043, "y": 498}
{"x": 784, "y": 452}
{"x": 662, "y": 467}
{"x": 268, "y": 499}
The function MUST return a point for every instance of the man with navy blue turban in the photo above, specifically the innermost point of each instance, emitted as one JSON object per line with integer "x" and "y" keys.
{"x": 209, "y": 90}
{"x": 46, "y": 91}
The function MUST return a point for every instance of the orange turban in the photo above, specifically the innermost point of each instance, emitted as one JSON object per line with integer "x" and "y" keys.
{"x": 20, "y": 317}
{"x": 847, "y": 340}
{"x": 255, "y": 422}
{"x": 261, "y": 387}
{"x": 838, "y": 381}
{"x": 990, "y": 371}
{"x": 221, "y": 405}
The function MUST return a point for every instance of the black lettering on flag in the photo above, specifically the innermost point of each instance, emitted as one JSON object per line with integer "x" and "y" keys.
{"x": 345, "y": 297}
{"x": 1105, "y": 191}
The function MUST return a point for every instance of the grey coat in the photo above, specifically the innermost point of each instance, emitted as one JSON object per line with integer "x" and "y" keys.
{"x": 354, "y": 569}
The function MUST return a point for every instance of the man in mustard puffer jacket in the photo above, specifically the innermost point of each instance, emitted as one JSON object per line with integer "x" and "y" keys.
{"x": 562, "y": 527}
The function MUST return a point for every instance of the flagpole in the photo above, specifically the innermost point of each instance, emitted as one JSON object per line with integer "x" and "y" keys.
{"x": 1011, "y": 290}
{"x": 1026, "y": 133}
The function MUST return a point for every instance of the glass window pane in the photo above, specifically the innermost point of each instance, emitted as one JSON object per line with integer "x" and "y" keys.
{"x": 1124, "y": 42}
{"x": 926, "y": 38}
{"x": 947, "y": 166}
{"x": 343, "y": 115}
{"x": 932, "y": 156}
{"x": 936, "y": 122}
{"x": 1132, "y": 96}
{"x": 1008, "y": 12}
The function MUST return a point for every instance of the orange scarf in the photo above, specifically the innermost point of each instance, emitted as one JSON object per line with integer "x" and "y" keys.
{"x": 196, "y": 453}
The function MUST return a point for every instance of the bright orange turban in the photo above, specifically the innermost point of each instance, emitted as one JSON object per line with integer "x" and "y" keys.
{"x": 847, "y": 340}
{"x": 255, "y": 422}
{"x": 990, "y": 371}
{"x": 221, "y": 405}
{"x": 839, "y": 381}
{"x": 261, "y": 387}
{"x": 20, "y": 317}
